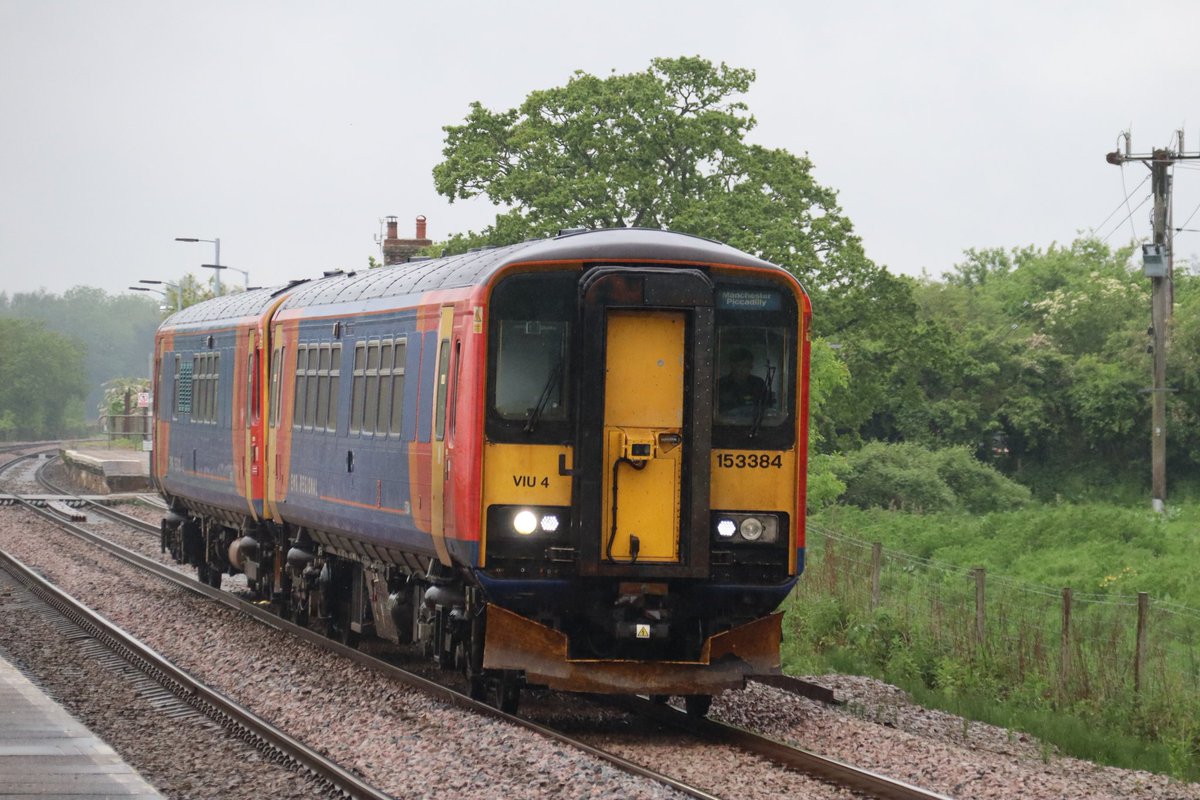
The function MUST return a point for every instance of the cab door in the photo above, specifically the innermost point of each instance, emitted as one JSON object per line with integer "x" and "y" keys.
{"x": 642, "y": 468}
{"x": 643, "y": 431}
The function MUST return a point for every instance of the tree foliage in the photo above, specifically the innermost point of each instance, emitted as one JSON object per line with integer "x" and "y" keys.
{"x": 42, "y": 384}
{"x": 1033, "y": 359}
{"x": 662, "y": 148}
{"x": 115, "y": 332}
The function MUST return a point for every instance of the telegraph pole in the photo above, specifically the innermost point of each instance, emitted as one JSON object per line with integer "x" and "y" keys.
{"x": 1158, "y": 265}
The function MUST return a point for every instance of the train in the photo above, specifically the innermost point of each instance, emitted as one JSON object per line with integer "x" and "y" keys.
{"x": 576, "y": 462}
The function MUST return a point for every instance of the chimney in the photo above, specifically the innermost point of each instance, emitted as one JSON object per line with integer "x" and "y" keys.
{"x": 397, "y": 250}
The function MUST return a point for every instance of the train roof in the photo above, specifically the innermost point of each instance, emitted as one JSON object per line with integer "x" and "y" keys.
{"x": 224, "y": 309}
{"x": 610, "y": 245}
{"x": 478, "y": 266}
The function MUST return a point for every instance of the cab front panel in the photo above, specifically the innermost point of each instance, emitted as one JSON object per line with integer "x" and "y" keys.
{"x": 633, "y": 502}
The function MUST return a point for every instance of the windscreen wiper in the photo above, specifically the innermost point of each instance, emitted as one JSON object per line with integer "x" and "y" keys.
{"x": 535, "y": 413}
{"x": 760, "y": 404}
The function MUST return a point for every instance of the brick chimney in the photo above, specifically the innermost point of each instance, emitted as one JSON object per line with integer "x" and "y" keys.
{"x": 397, "y": 250}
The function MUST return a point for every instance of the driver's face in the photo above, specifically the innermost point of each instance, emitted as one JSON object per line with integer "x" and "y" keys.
{"x": 741, "y": 369}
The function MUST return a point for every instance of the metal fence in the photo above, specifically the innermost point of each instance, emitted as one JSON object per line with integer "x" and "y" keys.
{"x": 126, "y": 426}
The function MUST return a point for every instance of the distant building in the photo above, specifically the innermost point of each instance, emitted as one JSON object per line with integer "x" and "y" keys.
{"x": 397, "y": 250}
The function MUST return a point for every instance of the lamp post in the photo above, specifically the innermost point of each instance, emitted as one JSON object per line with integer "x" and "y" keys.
{"x": 178, "y": 290}
{"x": 219, "y": 267}
{"x": 158, "y": 291}
{"x": 216, "y": 258}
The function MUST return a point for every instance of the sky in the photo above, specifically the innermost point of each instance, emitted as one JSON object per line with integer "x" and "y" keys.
{"x": 289, "y": 130}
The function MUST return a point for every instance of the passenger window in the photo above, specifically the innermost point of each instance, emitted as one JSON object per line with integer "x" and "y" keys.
{"x": 335, "y": 370}
{"x": 398, "y": 387}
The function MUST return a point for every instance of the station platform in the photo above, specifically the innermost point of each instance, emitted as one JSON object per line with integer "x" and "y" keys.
{"x": 46, "y": 753}
{"x": 105, "y": 471}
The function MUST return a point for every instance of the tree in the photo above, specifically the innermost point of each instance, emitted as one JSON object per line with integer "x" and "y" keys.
{"x": 116, "y": 332}
{"x": 666, "y": 148}
{"x": 663, "y": 148}
{"x": 41, "y": 381}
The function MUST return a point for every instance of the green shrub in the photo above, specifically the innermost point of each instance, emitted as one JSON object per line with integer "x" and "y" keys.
{"x": 979, "y": 488}
{"x": 908, "y": 477}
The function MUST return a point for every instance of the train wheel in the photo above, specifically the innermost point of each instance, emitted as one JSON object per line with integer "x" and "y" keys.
{"x": 478, "y": 689}
{"x": 697, "y": 705}
{"x": 208, "y": 576}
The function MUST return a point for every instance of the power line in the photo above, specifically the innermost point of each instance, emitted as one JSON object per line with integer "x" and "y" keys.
{"x": 1145, "y": 200}
{"x": 1124, "y": 202}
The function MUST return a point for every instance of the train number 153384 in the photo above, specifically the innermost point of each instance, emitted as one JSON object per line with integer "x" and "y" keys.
{"x": 749, "y": 460}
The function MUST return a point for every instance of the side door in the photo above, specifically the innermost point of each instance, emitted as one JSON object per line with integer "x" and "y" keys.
{"x": 440, "y": 456}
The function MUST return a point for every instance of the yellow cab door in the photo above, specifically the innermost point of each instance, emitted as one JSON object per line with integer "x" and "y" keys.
{"x": 643, "y": 426}
{"x": 642, "y": 464}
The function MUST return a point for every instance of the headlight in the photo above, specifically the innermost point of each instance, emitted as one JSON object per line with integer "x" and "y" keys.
{"x": 549, "y": 523}
{"x": 751, "y": 529}
{"x": 525, "y": 522}
{"x": 754, "y": 528}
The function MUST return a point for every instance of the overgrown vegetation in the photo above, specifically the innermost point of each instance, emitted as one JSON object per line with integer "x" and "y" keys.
{"x": 67, "y": 347}
{"x": 1078, "y": 692}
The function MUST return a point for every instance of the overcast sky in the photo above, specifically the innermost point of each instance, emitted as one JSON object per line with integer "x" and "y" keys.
{"x": 289, "y": 129}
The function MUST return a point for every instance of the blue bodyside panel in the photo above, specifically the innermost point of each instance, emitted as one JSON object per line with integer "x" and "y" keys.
{"x": 200, "y": 454}
{"x": 358, "y": 484}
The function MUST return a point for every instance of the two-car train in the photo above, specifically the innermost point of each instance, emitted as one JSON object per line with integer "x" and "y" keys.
{"x": 577, "y": 462}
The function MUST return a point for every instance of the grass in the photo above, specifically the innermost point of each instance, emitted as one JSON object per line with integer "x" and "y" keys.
{"x": 922, "y": 634}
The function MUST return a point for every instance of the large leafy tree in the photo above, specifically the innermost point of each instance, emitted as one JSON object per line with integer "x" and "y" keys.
{"x": 662, "y": 148}
{"x": 666, "y": 148}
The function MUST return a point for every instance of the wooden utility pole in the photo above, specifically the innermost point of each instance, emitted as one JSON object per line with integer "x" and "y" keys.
{"x": 1158, "y": 266}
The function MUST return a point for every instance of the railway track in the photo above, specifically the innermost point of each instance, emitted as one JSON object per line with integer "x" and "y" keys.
{"x": 712, "y": 733}
{"x": 238, "y": 721}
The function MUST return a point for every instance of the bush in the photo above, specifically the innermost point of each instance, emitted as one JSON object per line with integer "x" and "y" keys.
{"x": 980, "y": 489}
{"x": 908, "y": 477}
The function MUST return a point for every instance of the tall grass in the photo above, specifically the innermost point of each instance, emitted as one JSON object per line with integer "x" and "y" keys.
{"x": 1075, "y": 690}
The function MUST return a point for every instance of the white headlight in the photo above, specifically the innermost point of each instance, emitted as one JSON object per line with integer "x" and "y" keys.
{"x": 751, "y": 529}
{"x": 549, "y": 523}
{"x": 525, "y": 522}
{"x": 726, "y": 528}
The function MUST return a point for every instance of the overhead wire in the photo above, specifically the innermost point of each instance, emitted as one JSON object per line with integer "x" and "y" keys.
{"x": 1127, "y": 216}
{"x": 1124, "y": 202}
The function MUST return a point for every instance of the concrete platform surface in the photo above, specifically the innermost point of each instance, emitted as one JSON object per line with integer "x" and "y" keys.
{"x": 108, "y": 471}
{"x": 112, "y": 462}
{"x": 46, "y": 753}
